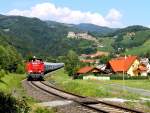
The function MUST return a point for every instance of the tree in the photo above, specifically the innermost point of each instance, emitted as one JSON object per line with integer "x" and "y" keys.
{"x": 72, "y": 63}
{"x": 104, "y": 59}
{"x": 51, "y": 59}
{"x": 20, "y": 69}
{"x": 2, "y": 74}
{"x": 9, "y": 58}
{"x": 4, "y": 58}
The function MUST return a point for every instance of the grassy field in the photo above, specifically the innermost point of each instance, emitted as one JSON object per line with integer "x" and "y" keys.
{"x": 97, "y": 88}
{"x": 107, "y": 43}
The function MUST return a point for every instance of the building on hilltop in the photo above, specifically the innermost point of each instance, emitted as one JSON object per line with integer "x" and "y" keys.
{"x": 71, "y": 35}
{"x": 81, "y": 35}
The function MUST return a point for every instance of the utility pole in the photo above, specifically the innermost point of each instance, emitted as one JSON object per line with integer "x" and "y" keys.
{"x": 124, "y": 72}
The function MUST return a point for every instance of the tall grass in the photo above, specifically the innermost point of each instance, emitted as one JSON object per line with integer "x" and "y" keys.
{"x": 88, "y": 87}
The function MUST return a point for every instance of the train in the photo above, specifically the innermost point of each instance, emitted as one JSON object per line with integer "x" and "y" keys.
{"x": 37, "y": 68}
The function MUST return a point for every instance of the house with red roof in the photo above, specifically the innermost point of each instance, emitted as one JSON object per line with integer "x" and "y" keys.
{"x": 91, "y": 73}
{"x": 95, "y": 55}
{"x": 88, "y": 61}
{"x": 127, "y": 64}
{"x": 87, "y": 70}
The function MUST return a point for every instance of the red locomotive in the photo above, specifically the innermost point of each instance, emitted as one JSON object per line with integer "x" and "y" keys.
{"x": 35, "y": 69}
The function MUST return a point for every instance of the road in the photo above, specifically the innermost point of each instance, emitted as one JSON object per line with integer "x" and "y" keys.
{"x": 131, "y": 89}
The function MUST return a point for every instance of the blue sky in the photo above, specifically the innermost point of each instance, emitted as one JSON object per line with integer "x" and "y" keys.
{"x": 112, "y": 13}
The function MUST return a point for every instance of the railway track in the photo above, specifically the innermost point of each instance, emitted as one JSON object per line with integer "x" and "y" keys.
{"x": 92, "y": 104}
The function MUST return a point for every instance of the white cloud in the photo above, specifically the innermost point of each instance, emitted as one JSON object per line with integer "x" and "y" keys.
{"x": 148, "y": 26}
{"x": 48, "y": 11}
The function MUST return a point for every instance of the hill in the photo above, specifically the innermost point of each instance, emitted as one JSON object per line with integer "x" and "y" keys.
{"x": 143, "y": 50}
{"x": 95, "y": 29}
{"x": 133, "y": 28}
{"x": 31, "y": 36}
{"x": 132, "y": 41}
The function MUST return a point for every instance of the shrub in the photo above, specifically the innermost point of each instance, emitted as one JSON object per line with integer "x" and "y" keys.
{"x": 2, "y": 73}
{"x": 10, "y": 104}
{"x": 78, "y": 76}
{"x": 20, "y": 69}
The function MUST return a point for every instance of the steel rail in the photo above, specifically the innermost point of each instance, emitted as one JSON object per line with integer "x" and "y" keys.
{"x": 82, "y": 100}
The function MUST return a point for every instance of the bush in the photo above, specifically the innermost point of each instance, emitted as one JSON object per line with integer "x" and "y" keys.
{"x": 2, "y": 73}
{"x": 20, "y": 69}
{"x": 10, "y": 104}
{"x": 75, "y": 76}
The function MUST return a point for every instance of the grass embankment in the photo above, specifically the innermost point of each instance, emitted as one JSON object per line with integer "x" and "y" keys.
{"x": 101, "y": 89}
{"x": 97, "y": 88}
{"x": 11, "y": 83}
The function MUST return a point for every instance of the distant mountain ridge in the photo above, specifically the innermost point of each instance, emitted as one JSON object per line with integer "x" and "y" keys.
{"x": 37, "y": 37}
{"x": 85, "y": 27}
{"x": 95, "y": 28}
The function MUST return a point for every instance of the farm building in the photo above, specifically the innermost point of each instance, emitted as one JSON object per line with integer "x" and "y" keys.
{"x": 128, "y": 65}
{"x": 88, "y": 71}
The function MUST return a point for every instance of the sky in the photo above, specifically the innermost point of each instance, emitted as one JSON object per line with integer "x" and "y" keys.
{"x": 110, "y": 13}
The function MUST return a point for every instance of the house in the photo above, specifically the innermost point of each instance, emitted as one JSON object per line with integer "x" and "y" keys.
{"x": 95, "y": 55}
{"x": 145, "y": 61}
{"x": 99, "y": 54}
{"x": 142, "y": 70}
{"x": 101, "y": 67}
{"x": 90, "y": 73}
{"x": 88, "y": 70}
{"x": 128, "y": 65}
{"x": 71, "y": 34}
{"x": 88, "y": 61}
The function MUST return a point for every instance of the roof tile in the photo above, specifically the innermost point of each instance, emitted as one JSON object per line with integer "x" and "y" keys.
{"x": 122, "y": 63}
{"x": 85, "y": 70}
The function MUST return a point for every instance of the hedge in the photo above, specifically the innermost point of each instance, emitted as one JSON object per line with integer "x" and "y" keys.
{"x": 126, "y": 77}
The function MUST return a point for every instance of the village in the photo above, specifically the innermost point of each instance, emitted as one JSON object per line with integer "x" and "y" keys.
{"x": 121, "y": 67}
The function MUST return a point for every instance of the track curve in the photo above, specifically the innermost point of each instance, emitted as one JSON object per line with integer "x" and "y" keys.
{"x": 90, "y": 103}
